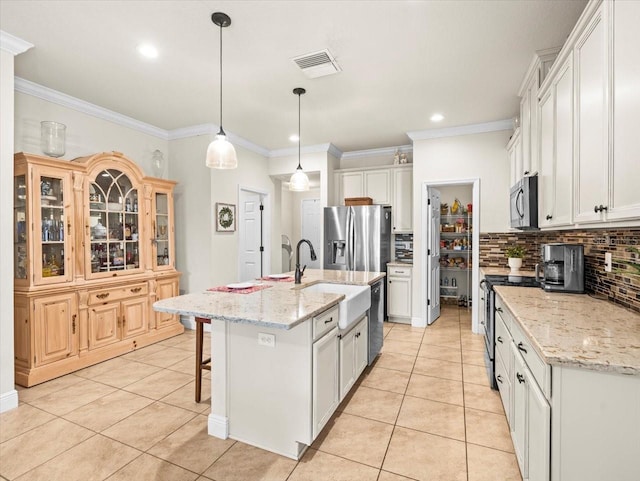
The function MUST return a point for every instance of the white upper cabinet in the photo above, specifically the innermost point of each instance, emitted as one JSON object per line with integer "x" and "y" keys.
{"x": 402, "y": 201}
{"x": 591, "y": 127}
{"x": 514, "y": 147}
{"x": 350, "y": 184}
{"x": 624, "y": 197}
{"x": 377, "y": 185}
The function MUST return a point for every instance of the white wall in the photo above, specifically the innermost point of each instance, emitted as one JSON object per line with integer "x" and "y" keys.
{"x": 86, "y": 135}
{"x": 481, "y": 156}
{"x": 448, "y": 193}
{"x": 8, "y": 395}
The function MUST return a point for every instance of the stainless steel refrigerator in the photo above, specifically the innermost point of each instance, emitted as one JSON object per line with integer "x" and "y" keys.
{"x": 358, "y": 238}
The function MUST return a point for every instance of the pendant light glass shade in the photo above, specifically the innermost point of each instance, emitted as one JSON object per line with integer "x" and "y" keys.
{"x": 299, "y": 181}
{"x": 221, "y": 154}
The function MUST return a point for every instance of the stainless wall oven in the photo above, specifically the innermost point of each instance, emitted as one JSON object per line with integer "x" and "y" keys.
{"x": 488, "y": 314}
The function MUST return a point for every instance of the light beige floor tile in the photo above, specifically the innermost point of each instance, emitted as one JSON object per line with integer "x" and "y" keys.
{"x": 149, "y": 468}
{"x": 438, "y": 352}
{"x": 316, "y": 465}
{"x": 167, "y": 357}
{"x": 432, "y": 417}
{"x": 191, "y": 446}
{"x": 160, "y": 384}
{"x": 387, "y": 476}
{"x": 25, "y": 452}
{"x": 66, "y": 400}
{"x": 473, "y": 357}
{"x": 385, "y": 379}
{"x": 435, "y": 389}
{"x": 173, "y": 341}
{"x": 400, "y": 326}
{"x": 20, "y": 420}
{"x": 188, "y": 345}
{"x": 32, "y": 393}
{"x": 355, "y": 438}
{"x": 126, "y": 374}
{"x": 143, "y": 352}
{"x": 374, "y": 404}
{"x": 108, "y": 410}
{"x": 438, "y": 368}
{"x": 186, "y": 366}
{"x": 425, "y": 457}
{"x": 149, "y": 425}
{"x": 400, "y": 347}
{"x": 406, "y": 336}
{"x": 243, "y": 462}
{"x": 488, "y": 429}
{"x": 475, "y": 374}
{"x": 92, "y": 371}
{"x": 399, "y": 362}
{"x": 185, "y": 397}
{"x": 92, "y": 460}
{"x": 476, "y": 343}
{"x": 441, "y": 341}
{"x": 483, "y": 398}
{"x": 483, "y": 464}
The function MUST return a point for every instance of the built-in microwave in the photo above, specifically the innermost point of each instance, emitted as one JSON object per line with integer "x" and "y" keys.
{"x": 523, "y": 203}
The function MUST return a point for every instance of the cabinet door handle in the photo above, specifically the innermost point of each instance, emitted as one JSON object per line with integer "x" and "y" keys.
{"x": 136, "y": 289}
{"x": 499, "y": 378}
{"x": 498, "y": 309}
{"x": 520, "y": 377}
{"x": 521, "y": 347}
{"x": 68, "y": 228}
{"x": 526, "y": 172}
{"x": 104, "y": 295}
{"x": 549, "y": 217}
{"x": 73, "y": 324}
{"x": 499, "y": 339}
{"x": 482, "y": 322}
{"x": 339, "y": 336}
{"x": 329, "y": 320}
{"x": 124, "y": 321}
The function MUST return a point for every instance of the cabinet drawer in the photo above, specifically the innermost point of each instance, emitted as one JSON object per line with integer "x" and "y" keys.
{"x": 325, "y": 322}
{"x": 504, "y": 387}
{"x": 503, "y": 341}
{"x": 503, "y": 312}
{"x": 393, "y": 271}
{"x": 117, "y": 293}
{"x": 540, "y": 370}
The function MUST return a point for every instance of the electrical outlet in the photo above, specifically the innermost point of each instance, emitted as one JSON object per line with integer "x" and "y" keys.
{"x": 607, "y": 261}
{"x": 268, "y": 340}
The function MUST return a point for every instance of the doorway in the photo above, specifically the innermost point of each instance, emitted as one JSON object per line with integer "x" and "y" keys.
{"x": 310, "y": 223}
{"x": 456, "y": 250}
{"x": 253, "y": 234}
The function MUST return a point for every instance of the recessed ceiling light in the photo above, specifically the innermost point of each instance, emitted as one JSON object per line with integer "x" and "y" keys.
{"x": 293, "y": 138}
{"x": 147, "y": 50}
{"x": 437, "y": 117}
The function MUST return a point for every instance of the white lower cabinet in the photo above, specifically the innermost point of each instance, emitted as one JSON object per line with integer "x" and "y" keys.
{"x": 325, "y": 379}
{"x": 399, "y": 293}
{"x": 353, "y": 355}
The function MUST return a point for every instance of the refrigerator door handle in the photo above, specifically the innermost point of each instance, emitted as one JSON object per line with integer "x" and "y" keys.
{"x": 349, "y": 240}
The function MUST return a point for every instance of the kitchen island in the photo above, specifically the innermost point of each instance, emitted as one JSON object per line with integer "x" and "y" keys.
{"x": 275, "y": 358}
{"x": 568, "y": 371}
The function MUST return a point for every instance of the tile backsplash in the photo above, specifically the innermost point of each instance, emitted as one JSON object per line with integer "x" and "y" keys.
{"x": 619, "y": 286}
{"x": 404, "y": 247}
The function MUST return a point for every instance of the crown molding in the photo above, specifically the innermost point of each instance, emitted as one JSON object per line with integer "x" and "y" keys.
{"x": 309, "y": 149}
{"x": 45, "y": 93}
{"x": 242, "y": 142}
{"x": 13, "y": 44}
{"x": 496, "y": 126}
{"x": 192, "y": 131}
{"x": 358, "y": 154}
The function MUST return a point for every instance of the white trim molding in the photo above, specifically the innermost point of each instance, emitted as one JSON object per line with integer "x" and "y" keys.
{"x": 357, "y": 154}
{"x": 495, "y": 126}
{"x": 309, "y": 149}
{"x": 13, "y": 44}
{"x": 8, "y": 400}
{"x": 218, "y": 426}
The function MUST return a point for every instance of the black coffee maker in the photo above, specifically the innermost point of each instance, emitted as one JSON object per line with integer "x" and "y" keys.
{"x": 562, "y": 268}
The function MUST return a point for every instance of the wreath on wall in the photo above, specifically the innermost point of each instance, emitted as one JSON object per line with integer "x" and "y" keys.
{"x": 225, "y": 217}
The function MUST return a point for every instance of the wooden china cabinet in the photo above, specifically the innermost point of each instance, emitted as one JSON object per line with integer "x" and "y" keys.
{"x": 93, "y": 250}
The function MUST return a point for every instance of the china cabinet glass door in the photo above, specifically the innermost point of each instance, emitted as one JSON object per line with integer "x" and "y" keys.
{"x": 20, "y": 246}
{"x": 164, "y": 252}
{"x": 114, "y": 224}
{"x": 52, "y": 225}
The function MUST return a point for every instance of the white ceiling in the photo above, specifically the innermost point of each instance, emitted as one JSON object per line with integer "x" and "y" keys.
{"x": 401, "y": 62}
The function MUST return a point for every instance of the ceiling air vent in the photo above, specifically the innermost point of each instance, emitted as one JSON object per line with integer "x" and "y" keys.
{"x": 317, "y": 64}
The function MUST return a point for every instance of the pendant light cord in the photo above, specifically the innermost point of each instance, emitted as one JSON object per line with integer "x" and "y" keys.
{"x": 299, "y": 138}
{"x": 221, "y": 130}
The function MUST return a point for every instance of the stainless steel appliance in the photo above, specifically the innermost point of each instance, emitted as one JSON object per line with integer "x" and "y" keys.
{"x": 358, "y": 238}
{"x": 488, "y": 314}
{"x": 562, "y": 268}
{"x": 523, "y": 204}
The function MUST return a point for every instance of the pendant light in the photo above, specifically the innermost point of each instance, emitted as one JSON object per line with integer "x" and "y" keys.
{"x": 220, "y": 153}
{"x": 299, "y": 181}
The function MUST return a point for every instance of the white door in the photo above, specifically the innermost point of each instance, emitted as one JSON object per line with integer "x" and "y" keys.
{"x": 433, "y": 256}
{"x": 310, "y": 230}
{"x": 250, "y": 236}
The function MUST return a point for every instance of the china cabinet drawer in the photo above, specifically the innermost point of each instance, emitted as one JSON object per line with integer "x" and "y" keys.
{"x": 115, "y": 294}
{"x": 539, "y": 369}
{"x": 325, "y": 322}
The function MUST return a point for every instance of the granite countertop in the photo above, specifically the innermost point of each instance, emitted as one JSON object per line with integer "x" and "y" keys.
{"x": 504, "y": 271}
{"x": 577, "y": 330}
{"x": 281, "y": 306}
{"x": 400, "y": 264}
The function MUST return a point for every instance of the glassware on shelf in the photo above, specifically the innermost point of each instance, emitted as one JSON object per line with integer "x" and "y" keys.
{"x": 52, "y": 138}
{"x": 157, "y": 162}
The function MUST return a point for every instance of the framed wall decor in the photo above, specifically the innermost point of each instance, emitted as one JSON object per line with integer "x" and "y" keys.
{"x": 225, "y": 217}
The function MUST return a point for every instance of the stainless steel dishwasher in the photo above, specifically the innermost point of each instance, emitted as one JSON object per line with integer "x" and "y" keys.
{"x": 376, "y": 318}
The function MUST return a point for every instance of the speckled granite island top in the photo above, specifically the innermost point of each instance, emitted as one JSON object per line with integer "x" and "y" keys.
{"x": 577, "y": 330}
{"x": 282, "y": 306}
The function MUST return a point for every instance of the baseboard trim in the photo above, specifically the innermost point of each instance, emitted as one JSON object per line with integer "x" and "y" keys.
{"x": 218, "y": 426}
{"x": 418, "y": 322}
{"x": 8, "y": 400}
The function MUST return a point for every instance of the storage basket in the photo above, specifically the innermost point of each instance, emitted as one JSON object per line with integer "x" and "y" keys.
{"x": 358, "y": 201}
